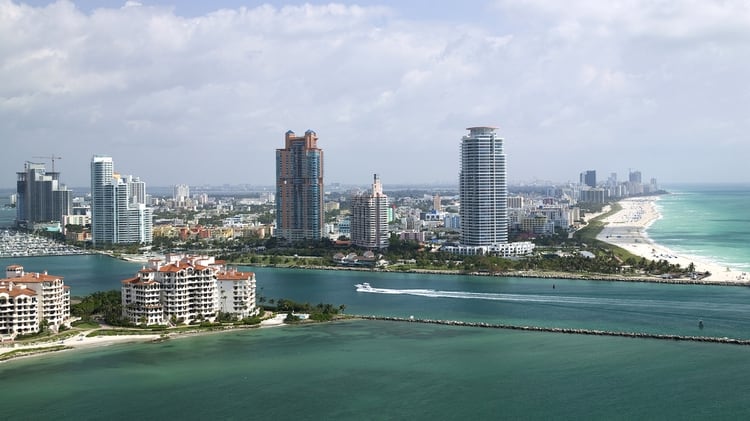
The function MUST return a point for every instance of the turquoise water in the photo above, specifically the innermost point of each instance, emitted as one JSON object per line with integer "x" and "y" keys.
{"x": 708, "y": 221}
{"x": 377, "y": 370}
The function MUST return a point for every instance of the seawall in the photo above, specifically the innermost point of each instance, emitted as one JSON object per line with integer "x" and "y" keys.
{"x": 641, "y": 335}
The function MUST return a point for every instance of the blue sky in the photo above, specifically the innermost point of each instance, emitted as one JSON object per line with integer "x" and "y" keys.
{"x": 202, "y": 92}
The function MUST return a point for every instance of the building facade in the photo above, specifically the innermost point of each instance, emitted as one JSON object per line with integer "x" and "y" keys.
{"x": 369, "y": 218}
{"x": 483, "y": 189}
{"x": 40, "y": 196}
{"x": 184, "y": 289}
{"x": 119, "y": 214}
{"x": 299, "y": 188}
{"x": 588, "y": 178}
{"x": 30, "y": 299}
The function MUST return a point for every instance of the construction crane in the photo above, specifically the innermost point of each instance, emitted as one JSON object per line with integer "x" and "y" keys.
{"x": 51, "y": 158}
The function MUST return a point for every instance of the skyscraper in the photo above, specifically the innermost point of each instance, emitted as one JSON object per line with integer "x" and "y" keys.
{"x": 483, "y": 188}
{"x": 369, "y": 221}
{"x": 118, "y": 212}
{"x": 588, "y": 178}
{"x": 299, "y": 188}
{"x": 41, "y": 197}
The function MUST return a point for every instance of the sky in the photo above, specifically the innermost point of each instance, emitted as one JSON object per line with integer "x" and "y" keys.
{"x": 196, "y": 92}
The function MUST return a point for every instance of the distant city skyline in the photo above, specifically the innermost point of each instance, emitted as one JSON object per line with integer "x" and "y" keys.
{"x": 196, "y": 93}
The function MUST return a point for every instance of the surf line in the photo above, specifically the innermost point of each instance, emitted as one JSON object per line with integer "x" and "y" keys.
{"x": 572, "y": 331}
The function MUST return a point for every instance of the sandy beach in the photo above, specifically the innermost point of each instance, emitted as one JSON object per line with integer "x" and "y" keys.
{"x": 627, "y": 229}
{"x": 80, "y": 340}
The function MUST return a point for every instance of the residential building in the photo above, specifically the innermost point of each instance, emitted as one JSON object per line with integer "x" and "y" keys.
{"x": 588, "y": 178}
{"x": 299, "y": 188}
{"x": 181, "y": 193}
{"x": 28, "y": 299}
{"x": 369, "y": 218}
{"x": 185, "y": 289}
{"x": 40, "y": 196}
{"x": 119, "y": 214}
{"x": 483, "y": 188}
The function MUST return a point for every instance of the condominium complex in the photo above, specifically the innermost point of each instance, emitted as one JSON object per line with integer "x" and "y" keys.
{"x": 299, "y": 188}
{"x": 28, "y": 299}
{"x": 119, "y": 214}
{"x": 181, "y": 193}
{"x": 369, "y": 219}
{"x": 483, "y": 189}
{"x": 184, "y": 289}
{"x": 40, "y": 196}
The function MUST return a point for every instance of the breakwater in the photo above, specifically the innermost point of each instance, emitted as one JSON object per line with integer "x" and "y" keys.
{"x": 571, "y": 331}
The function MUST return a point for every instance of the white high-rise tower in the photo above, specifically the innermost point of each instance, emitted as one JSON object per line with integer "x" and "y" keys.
{"x": 117, "y": 216}
{"x": 483, "y": 189}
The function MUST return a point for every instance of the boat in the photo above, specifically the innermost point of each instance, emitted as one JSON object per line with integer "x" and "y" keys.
{"x": 364, "y": 286}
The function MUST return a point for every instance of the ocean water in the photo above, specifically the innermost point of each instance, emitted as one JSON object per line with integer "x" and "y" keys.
{"x": 386, "y": 370}
{"x": 358, "y": 370}
{"x": 710, "y": 221}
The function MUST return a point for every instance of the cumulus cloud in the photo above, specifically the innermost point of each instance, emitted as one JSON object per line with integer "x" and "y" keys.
{"x": 207, "y": 98}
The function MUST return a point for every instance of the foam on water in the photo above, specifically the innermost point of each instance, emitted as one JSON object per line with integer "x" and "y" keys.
{"x": 562, "y": 299}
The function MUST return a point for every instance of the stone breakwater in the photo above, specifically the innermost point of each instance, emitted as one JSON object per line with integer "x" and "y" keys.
{"x": 571, "y": 331}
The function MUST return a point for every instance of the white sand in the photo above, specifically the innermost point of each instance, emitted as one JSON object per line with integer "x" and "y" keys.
{"x": 627, "y": 229}
{"x": 82, "y": 341}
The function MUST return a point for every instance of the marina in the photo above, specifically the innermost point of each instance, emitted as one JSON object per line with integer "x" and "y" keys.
{"x": 18, "y": 244}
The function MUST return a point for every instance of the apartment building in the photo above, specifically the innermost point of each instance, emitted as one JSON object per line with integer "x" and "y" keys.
{"x": 27, "y": 299}
{"x": 184, "y": 289}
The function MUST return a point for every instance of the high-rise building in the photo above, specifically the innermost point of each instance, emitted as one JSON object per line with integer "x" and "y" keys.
{"x": 635, "y": 177}
{"x": 299, "y": 188}
{"x": 588, "y": 178}
{"x": 119, "y": 214}
{"x": 369, "y": 219}
{"x": 40, "y": 196}
{"x": 483, "y": 189}
{"x": 181, "y": 193}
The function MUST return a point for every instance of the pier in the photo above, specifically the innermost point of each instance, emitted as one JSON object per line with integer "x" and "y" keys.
{"x": 571, "y": 331}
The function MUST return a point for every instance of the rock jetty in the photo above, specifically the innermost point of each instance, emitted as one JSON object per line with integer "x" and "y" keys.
{"x": 642, "y": 335}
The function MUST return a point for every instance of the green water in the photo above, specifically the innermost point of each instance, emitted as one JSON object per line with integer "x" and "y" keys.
{"x": 381, "y": 370}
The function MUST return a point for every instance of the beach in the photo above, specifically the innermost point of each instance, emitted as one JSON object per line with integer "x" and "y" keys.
{"x": 82, "y": 340}
{"x": 628, "y": 229}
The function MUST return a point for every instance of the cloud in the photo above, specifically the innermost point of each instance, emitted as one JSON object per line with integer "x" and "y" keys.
{"x": 207, "y": 98}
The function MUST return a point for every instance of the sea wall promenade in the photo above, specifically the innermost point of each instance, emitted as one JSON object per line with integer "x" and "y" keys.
{"x": 571, "y": 331}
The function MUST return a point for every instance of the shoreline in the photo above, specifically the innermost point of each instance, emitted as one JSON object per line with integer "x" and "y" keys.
{"x": 628, "y": 229}
{"x": 82, "y": 341}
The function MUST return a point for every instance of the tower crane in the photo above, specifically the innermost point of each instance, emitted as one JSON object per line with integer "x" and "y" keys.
{"x": 51, "y": 158}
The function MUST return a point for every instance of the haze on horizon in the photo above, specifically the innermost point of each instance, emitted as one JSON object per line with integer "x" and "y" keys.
{"x": 202, "y": 92}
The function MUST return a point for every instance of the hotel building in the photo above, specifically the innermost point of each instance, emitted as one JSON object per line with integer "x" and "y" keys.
{"x": 27, "y": 299}
{"x": 119, "y": 214}
{"x": 369, "y": 219}
{"x": 183, "y": 289}
{"x": 299, "y": 188}
{"x": 40, "y": 196}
